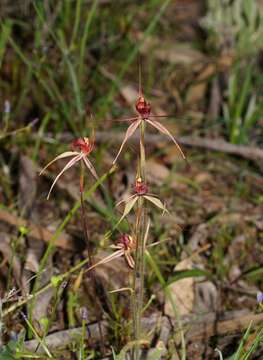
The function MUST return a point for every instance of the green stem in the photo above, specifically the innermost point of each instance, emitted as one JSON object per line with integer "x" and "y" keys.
{"x": 142, "y": 152}
{"x": 138, "y": 277}
{"x": 168, "y": 294}
{"x": 51, "y": 245}
{"x": 83, "y": 213}
{"x": 89, "y": 249}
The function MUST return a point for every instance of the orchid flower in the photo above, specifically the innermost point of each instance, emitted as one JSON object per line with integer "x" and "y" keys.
{"x": 84, "y": 146}
{"x": 141, "y": 190}
{"x": 143, "y": 109}
{"x": 127, "y": 244}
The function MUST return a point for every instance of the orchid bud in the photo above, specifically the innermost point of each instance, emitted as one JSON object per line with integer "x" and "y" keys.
{"x": 143, "y": 107}
{"x": 140, "y": 187}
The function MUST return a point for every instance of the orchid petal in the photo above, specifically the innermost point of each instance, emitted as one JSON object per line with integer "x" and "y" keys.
{"x": 116, "y": 247}
{"x": 90, "y": 167}
{"x": 61, "y": 156}
{"x": 129, "y": 259}
{"x": 131, "y": 129}
{"x": 126, "y": 200}
{"x": 146, "y": 233}
{"x": 128, "y": 207}
{"x": 107, "y": 259}
{"x": 68, "y": 165}
{"x": 163, "y": 130}
{"x": 157, "y": 202}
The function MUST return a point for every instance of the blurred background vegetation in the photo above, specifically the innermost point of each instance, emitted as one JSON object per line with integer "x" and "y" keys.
{"x": 69, "y": 66}
{"x": 62, "y": 61}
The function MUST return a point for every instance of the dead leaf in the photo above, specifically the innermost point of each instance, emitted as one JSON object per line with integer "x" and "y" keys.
{"x": 206, "y": 297}
{"x": 114, "y": 274}
{"x": 204, "y": 177}
{"x": 199, "y": 237}
{"x": 215, "y": 100}
{"x": 182, "y": 292}
{"x": 9, "y": 257}
{"x": 174, "y": 53}
{"x": 130, "y": 94}
{"x": 206, "y": 72}
{"x": 196, "y": 93}
{"x": 31, "y": 263}
{"x": 225, "y": 61}
{"x": 41, "y": 306}
{"x": 27, "y": 185}
{"x": 36, "y": 231}
{"x": 179, "y": 185}
{"x": 157, "y": 173}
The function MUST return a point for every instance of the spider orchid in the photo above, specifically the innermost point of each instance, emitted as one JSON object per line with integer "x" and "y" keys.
{"x": 84, "y": 147}
{"x": 126, "y": 244}
{"x": 143, "y": 109}
{"x": 141, "y": 190}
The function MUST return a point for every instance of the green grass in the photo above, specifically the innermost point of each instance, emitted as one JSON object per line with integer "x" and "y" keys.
{"x": 236, "y": 27}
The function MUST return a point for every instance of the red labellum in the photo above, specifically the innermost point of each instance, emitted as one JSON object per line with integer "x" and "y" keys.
{"x": 140, "y": 187}
{"x": 83, "y": 144}
{"x": 143, "y": 107}
{"x": 126, "y": 241}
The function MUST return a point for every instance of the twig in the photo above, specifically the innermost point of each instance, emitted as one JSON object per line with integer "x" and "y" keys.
{"x": 63, "y": 338}
{"x": 247, "y": 152}
{"x": 204, "y": 330}
{"x": 206, "y": 327}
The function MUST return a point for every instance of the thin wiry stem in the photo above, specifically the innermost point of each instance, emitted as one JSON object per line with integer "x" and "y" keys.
{"x": 89, "y": 249}
{"x": 138, "y": 278}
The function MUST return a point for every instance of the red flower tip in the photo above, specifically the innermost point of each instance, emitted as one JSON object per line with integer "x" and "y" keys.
{"x": 140, "y": 187}
{"x": 126, "y": 241}
{"x": 143, "y": 107}
{"x": 83, "y": 144}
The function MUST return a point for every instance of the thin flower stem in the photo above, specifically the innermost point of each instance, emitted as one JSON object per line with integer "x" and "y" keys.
{"x": 89, "y": 249}
{"x": 167, "y": 291}
{"x": 83, "y": 213}
{"x": 138, "y": 278}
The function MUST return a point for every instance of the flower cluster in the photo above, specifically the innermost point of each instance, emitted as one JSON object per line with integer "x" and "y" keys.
{"x": 81, "y": 149}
